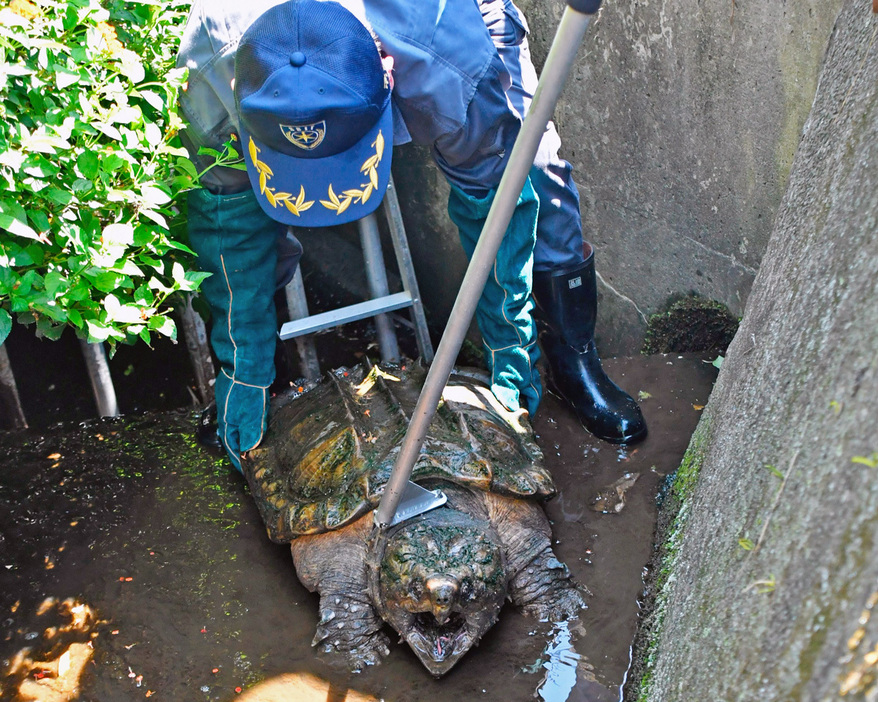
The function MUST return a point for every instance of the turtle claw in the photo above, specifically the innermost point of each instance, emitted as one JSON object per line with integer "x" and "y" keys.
{"x": 320, "y": 635}
{"x": 369, "y": 653}
{"x": 323, "y": 630}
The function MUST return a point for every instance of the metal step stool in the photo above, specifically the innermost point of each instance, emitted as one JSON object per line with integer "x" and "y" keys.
{"x": 381, "y": 302}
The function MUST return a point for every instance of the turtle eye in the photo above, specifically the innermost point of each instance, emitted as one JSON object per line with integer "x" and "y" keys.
{"x": 403, "y": 557}
{"x": 466, "y": 589}
{"x": 482, "y": 555}
{"x": 416, "y": 588}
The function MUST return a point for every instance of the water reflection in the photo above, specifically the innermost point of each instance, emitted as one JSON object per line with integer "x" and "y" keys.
{"x": 562, "y": 665}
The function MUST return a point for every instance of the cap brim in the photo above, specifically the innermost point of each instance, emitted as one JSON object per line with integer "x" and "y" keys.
{"x": 321, "y": 192}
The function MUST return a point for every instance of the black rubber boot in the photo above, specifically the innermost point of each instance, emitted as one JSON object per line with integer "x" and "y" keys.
{"x": 205, "y": 430}
{"x": 566, "y": 311}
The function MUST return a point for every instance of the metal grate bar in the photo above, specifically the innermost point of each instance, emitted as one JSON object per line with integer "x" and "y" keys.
{"x": 351, "y": 313}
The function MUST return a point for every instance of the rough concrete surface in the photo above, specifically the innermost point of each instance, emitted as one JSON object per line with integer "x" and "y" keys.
{"x": 770, "y": 590}
{"x": 681, "y": 120}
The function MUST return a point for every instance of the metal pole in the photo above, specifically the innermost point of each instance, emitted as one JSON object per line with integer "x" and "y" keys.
{"x": 297, "y": 306}
{"x": 376, "y": 274}
{"x": 101, "y": 381}
{"x": 195, "y": 334}
{"x": 407, "y": 270}
{"x": 9, "y": 391}
{"x": 561, "y": 56}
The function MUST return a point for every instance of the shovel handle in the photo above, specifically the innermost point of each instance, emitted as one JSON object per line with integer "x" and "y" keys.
{"x": 569, "y": 35}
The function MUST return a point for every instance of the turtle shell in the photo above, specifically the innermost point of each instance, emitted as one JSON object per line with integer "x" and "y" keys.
{"x": 329, "y": 452}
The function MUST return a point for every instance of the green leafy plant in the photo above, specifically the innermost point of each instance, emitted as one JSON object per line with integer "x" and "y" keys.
{"x": 91, "y": 168}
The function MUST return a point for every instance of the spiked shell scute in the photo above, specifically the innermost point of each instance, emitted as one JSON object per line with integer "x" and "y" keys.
{"x": 329, "y": 452}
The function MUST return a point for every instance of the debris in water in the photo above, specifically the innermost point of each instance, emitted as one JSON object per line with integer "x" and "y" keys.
{"x": 611, "y": 499}
{"x": 533, "y": 668}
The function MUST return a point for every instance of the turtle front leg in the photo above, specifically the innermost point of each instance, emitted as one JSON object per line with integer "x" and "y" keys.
{"x": 334, "y": 565}
{"x": 544, "y": 589}
{"x": 538, "y": 582}
{"x": 350, "y": 627}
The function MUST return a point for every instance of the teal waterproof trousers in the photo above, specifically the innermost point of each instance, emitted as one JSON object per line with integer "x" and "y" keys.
{"x": 237, "y": 242}
{"x": 504, "y": 312}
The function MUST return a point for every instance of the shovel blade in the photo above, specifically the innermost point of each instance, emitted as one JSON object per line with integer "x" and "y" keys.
{"x": 416, "y": 500}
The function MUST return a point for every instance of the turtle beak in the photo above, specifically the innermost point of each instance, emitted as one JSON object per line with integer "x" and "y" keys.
{"x": 443, "y": 591}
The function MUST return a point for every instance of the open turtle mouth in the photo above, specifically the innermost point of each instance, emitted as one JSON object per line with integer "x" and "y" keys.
{"x": 444, "y": 637}
{"x": 441, "y": 643}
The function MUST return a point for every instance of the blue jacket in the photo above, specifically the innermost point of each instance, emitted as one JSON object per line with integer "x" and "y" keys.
{"x": 443, "y": 59}
{"x": 463, "y": 81}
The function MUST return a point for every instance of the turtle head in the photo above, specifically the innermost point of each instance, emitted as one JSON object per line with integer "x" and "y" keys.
{"x": 441, "y": 584}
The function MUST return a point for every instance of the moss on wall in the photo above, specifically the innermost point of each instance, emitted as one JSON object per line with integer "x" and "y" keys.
{"x": 673, "y": 515}
{"x": 691, "y": 324}
{"x": 766, "y": 574}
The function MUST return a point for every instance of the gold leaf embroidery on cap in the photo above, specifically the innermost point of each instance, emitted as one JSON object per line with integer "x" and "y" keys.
{"x": 361, "y": 195}
{"x": 276, "y": 199}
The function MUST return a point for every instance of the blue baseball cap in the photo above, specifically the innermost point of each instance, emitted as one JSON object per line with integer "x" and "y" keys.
{"x": 315, "y": 117}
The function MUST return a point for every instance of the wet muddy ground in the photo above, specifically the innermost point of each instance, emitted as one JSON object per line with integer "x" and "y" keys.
{"x": 133, "y": 564}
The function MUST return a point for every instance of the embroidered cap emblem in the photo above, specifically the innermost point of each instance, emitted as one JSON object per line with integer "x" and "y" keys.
{"x": 305, "y": 136}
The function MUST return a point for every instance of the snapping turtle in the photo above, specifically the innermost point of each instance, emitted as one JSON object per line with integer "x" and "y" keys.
{"x": 441, "y": 578}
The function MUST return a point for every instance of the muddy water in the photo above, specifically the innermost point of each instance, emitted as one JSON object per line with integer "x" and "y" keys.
{"x": 133, "y": 564}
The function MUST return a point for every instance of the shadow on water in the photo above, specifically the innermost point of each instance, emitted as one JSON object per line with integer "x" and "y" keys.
{"x": 133, "y": 564}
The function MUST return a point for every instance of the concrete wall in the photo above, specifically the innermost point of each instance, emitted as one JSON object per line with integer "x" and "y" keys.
{"x": 768, "y": 591}
{"x": 681, "y": 120}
